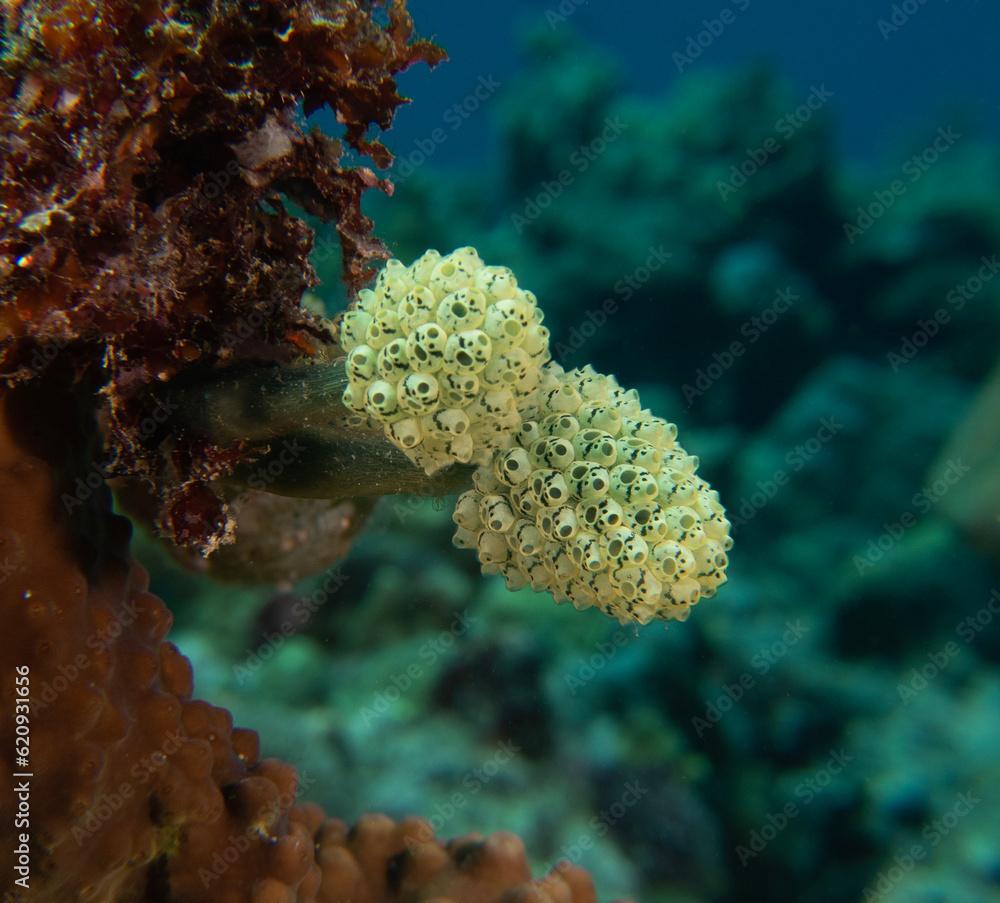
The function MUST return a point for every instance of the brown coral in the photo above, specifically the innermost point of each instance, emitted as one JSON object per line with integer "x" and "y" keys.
{"x": 145, "y": 156}
{"x": 140, "y": 792}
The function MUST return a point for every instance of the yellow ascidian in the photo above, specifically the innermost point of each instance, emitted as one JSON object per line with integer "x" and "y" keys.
{"x": 579, "y": 491}
{"x": 445, "y": 355}
{"x": 597, "y": 504}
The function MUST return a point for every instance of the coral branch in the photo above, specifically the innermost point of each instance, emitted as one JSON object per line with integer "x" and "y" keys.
{"x": 296, "y": 436}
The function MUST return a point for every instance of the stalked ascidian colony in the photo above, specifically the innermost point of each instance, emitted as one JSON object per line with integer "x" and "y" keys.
{"x": 579, "y": 491}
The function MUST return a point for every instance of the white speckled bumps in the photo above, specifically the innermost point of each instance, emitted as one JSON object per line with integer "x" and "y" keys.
{"x": 580, "y": 491}
{"x": 596, "y": 503}
{"x": 444, "y": 354}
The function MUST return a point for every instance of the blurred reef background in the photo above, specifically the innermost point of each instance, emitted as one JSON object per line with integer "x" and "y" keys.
{"x": 816, "y": 303}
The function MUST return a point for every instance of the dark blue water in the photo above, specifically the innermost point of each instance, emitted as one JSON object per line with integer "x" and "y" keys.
{"x": 891, "y": 69}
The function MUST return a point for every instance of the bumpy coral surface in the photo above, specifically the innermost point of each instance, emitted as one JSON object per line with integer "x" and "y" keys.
{"x": 445, "y": 354}
{"x": 596, "y": 503}
{"x": 138, "y": 791}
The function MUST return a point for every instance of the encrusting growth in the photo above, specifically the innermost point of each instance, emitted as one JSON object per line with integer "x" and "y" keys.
{"x": 143, "y": 153}
{"x": 580, "y": 491}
